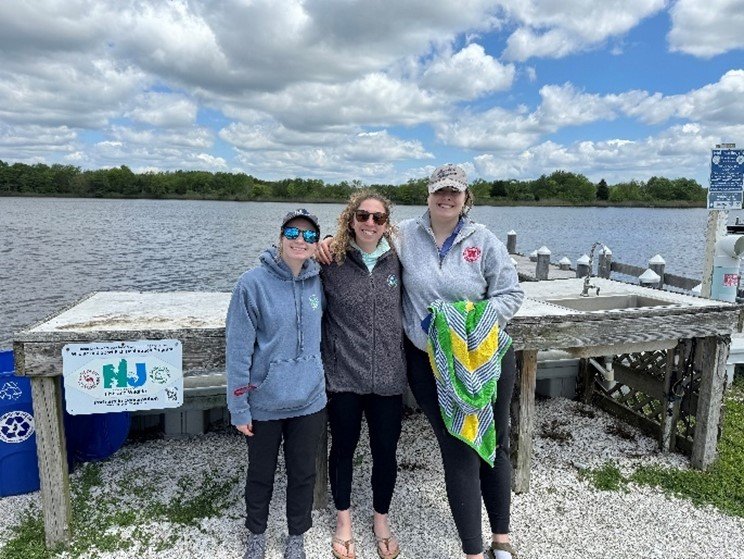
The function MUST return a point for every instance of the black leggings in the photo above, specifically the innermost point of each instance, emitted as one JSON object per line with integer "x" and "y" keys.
{"x": 467, "y": 476}
{"x": 384, "y": 414}
{"x": 301, "y": 436}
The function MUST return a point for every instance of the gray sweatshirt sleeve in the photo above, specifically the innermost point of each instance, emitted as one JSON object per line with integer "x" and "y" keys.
{"x": 240, "y": 333}
{"x": 504, "y": 292}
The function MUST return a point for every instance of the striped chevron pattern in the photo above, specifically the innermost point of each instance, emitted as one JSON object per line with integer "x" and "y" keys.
{"x": 465, "y": 351}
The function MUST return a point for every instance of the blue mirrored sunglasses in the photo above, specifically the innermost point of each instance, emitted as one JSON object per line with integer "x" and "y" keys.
{"x": 309, "y": 235}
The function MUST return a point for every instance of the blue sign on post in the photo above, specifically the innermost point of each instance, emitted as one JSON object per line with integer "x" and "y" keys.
{"x": 726, "y": 179}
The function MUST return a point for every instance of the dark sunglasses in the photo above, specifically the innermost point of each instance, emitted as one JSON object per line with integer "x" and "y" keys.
{"x": 380, "y": 218}
{"x": 309, "y": 235}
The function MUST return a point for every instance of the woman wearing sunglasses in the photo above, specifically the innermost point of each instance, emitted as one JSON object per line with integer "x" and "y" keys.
{"x": 364, "y": 362}
{"x": 275, "y": 381}
{"x": 448, "y": 260}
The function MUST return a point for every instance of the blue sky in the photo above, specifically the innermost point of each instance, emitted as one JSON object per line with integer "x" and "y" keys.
{"x": 374, "y": 90}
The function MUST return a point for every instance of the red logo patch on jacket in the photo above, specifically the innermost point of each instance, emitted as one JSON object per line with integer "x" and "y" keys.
{"x": 471, "y": 254}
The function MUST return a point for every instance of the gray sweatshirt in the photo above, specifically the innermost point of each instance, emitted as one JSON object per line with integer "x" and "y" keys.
{"x": 477, "y": 267}
{"x": 274, "y": 369}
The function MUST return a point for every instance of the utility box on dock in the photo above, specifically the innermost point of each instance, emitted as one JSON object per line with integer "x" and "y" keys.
{"x": 557, "y": 373}
{"x": 19, "y": 467}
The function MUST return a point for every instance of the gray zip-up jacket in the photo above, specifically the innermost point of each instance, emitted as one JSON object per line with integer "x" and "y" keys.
{"x": 477, "y": 267}
{"x": 362, "y": 326}
{"x": 274, "y": 369}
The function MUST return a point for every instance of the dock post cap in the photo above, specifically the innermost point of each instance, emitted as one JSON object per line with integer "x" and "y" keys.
{"x": 543, "y": 250}
{"x": 657, "y": 260}
{"x": 583, "y": 259}
{"x": 605, "y": 250}
{"x": 649, "y": 276}
{"x": 511, "y": 232}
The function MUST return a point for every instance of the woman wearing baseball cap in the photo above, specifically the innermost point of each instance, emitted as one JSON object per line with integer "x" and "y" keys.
{"x": 458, "y": 279}
{"x": 275, "y": 380}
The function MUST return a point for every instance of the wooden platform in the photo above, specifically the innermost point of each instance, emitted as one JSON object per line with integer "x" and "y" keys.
{"x": 197, "y": 319}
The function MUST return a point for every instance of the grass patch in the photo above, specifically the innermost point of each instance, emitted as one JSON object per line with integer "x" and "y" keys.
{"x": 606, "y": 478}
{"x": 723, "y": 485}
{"x": 112, "y": 519}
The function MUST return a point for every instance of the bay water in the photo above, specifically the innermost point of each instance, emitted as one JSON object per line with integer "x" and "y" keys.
{"x": 53, "y": 251}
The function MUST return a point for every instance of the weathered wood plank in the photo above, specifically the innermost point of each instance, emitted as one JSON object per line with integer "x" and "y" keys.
{"x": 526, "y": 422}
{"x": 606, "y": 403}
{"x": 627, "y": 269}
{"x": 638, "y": 380}
{"x": 671, "y": 406}
{"x": 707, "y": 419}
{"x": 50, "y": 444}
{"x": 200, "y": 354}
{"x": 587, "y": 374}
{"x": 604, "y": 329}
{"x": 680, "y": 282}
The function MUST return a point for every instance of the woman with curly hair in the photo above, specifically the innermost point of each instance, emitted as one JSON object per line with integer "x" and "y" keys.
{"x": 453, "y": 266}
{"x": 362, "y": 348}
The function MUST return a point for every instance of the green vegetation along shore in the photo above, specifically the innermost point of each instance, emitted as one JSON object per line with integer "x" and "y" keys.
{"x": 559, "y": 188}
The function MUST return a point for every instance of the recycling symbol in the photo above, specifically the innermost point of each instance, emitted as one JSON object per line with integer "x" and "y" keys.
{"x": 16, "y": 427}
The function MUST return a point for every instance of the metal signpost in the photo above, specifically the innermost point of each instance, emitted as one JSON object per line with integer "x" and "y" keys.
{"x": 725, "y": 192}
{"x": 726, "y": 179}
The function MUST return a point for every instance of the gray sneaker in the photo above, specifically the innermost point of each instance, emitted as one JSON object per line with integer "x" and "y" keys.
{"x": 295, "y": 547}
{"x": 256, "y": 548}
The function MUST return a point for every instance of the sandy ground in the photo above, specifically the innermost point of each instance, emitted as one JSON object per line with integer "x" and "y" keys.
{"x": 561, "y": 516}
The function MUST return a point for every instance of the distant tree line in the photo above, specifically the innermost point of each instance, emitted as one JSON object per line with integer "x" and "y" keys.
{"x": 560, "y": 187}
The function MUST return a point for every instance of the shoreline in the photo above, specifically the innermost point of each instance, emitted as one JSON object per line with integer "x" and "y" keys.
{"x": 552, "y": 203}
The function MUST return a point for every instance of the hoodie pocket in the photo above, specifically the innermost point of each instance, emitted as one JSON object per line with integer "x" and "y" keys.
{"x": 291, "y": 384}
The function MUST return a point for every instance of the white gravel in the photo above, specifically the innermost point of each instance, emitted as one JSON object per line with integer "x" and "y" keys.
{"x": 561, "y": 516}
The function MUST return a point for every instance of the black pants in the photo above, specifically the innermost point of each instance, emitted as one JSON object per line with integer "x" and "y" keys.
{"x": 467, "y": 476}
{"x": 384, "y": 414}
{"x": 301, "y": 437}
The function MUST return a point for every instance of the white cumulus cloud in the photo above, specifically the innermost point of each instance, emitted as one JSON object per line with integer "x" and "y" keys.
{"x": 706, "y": 28}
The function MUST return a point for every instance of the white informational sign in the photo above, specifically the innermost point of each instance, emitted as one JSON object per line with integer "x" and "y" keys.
{"x": 726, "y": 189}
{"x": 122, "y": 376}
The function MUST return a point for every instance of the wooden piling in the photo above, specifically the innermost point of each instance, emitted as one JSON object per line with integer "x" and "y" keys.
{"x": 582, "y": 266}
{"x": 657, "y": 264}
{"x": 511, "y": 242}
{"x": 604, "y": 268}
{"x": 707, "y": 418}
{"x": 543, "y": 263}
{"x": 526, "y": 420}
{"x": 53, "y": 474}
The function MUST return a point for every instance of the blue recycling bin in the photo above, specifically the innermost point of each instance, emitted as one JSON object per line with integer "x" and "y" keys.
{"x": 90, "y": 438}
{"x": 95, "y": 437}
{"x": 19, "y": 467}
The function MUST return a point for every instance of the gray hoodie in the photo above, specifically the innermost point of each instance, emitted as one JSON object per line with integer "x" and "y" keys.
{"x": 477, "y": 267}
{"x": 274, "y": 369}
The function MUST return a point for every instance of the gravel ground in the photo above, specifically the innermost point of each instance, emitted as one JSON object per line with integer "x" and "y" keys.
{"x": 562, "y": 515}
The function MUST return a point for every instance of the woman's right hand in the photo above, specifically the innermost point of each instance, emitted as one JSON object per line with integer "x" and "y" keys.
{"x": 247, "y": 430}
{"x": 323, "y": 254}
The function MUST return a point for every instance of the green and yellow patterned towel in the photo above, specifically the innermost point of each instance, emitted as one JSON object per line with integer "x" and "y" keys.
{"x": 465, "y": 350}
